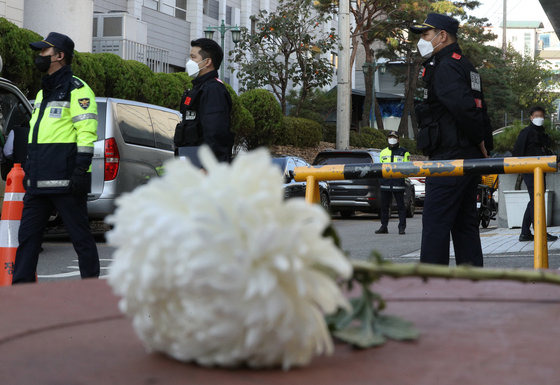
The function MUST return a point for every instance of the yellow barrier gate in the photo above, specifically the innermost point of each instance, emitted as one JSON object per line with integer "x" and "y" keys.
{"x": 523, "y": 165}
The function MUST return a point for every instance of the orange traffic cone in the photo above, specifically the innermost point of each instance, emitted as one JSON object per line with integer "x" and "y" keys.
{"x": 9, "y": 223}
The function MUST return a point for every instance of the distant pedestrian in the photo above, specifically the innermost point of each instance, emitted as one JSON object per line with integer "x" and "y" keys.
{"x": 392, "y": 187}
{"x": 63, "y": 128}
{"x": 453, "y": 124}
{"x": 206, "y": 107}
{"x": 532, "y": 141}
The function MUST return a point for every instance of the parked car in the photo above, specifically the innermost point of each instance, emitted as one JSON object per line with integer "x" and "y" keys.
{"x": 294, "y": 189}
{"x": 134, "y": 141}
{"x": 349, "y": 196}
{"x": 419, "y": 183}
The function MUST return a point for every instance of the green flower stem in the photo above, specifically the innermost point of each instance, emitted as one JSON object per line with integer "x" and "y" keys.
{"x": 423, "y": 270}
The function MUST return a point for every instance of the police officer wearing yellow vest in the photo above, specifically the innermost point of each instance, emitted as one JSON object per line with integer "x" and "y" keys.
{"x": 62, "y": 130}
{"x": 453, "y": 124}
{"x": 392, "y": 187}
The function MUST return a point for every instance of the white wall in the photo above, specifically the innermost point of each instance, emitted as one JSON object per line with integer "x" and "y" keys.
{"x": 73, "y": 18}
{"x": 12, "y": 10}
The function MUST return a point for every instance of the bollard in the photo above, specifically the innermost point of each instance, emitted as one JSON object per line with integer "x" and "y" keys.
{"x": 9, "y": 223}
{"x": 541, "y": 246}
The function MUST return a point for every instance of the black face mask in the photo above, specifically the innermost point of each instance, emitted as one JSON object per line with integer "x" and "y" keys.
{"x": 43, "y": 63}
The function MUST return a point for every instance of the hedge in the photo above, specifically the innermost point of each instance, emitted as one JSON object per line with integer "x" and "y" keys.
{"x": 267, "y": 114}
{"x": 300, "y": 132}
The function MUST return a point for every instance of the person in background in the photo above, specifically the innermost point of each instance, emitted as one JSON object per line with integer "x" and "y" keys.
{"x": 392, "y": 187}
{"x": 532, "y": 141}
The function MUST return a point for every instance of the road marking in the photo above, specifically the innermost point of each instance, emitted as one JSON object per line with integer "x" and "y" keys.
{"x": 60, "y": 275}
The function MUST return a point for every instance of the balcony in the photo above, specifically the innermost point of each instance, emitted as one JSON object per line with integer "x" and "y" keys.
{"x": 155, "y": 58}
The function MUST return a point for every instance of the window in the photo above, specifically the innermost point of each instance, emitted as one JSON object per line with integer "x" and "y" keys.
{"x": 527, "y": 42}
{"x": 112, "y": 26}
{"x": 229, "y": 20}
{"x": 211, "y": 8}
{"x": 135, "y": 125}
{"x": 176, "y": 8}
{"x": 164, "y": 128}
{"x": 545, "y": 40}
{"x": 95, "y": 19}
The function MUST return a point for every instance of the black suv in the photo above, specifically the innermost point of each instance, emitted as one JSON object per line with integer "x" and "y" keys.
{"x": 349, "y": 196}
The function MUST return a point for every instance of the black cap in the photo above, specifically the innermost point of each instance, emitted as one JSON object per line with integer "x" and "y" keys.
{"x": 393, "y": 134}
{"x": 55, "y": 39}
{"x": 437, "y": 21}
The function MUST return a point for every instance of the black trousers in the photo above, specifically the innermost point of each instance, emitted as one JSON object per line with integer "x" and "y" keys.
{"x": 36, "y": 211}
{"x": 450, "y": 208}
{"x": 528, "y": 217}
{"x": 385, "y": 212}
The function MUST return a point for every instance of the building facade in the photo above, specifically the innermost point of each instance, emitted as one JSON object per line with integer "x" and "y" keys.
{"x": 12, "y": 10}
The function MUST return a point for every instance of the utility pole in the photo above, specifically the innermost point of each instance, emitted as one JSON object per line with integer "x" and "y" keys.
{"x": 504, "y": 28}
{"x": 344, "y": 105}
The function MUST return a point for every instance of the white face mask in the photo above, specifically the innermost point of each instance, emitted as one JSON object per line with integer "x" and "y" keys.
{"x": 393, "y": 141}
{"x": 538, "y": 121}
{"x": 425, "y": 47}
{"x": 192, "y": 68}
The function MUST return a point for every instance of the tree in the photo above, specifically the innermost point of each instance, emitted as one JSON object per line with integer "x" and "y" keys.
{"x": 286, "y": 50}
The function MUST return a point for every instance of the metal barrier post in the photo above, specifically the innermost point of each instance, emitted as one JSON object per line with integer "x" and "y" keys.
{"x": 539, "y": 223}
{"x": 312, "y": 194}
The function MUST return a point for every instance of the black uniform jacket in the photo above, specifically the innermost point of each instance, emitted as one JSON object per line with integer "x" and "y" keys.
{"x": 454, "y": 100}
{"x": 532, "y": 141}
{"x": 206, "y": 110}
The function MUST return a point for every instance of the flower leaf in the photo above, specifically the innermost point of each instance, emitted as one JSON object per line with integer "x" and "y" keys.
{"x": 395, "y": 328}
{"x": 360, "y": 337}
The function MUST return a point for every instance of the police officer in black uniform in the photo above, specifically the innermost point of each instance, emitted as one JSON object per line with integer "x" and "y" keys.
{"x": 453, "y": 124}
{"x": 532, "y": 141}
{"x": 206, "y": 107}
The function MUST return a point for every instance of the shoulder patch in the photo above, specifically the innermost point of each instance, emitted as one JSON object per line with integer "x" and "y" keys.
{"x": 219, "y": 80}
{"x": 456, "y": 56}
{"x": 77, "y": 83}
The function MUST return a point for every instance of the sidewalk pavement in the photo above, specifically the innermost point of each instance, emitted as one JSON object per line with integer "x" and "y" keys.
{"x": 503, "y": 241}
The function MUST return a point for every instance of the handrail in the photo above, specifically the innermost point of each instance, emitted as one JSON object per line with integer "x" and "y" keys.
{"x": 520, "y": 165}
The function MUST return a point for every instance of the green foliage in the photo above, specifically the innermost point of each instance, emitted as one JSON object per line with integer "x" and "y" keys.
{"x": 368, "y": 137}
{"x": 242, "y": 122}
{"x": 283, "y": 50}
{"x": 300, "y": 132}
{"x": 136, "y": 81}
{"x": 18, "y": 57}
{"x": 84, "y": 65}
{"x": 317, "y": 105}
{"x": 329, "y": 132}
{"x": 267, "y": 116}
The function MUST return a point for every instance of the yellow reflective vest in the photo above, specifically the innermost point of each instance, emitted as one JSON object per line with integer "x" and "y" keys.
{"x": 63, "y": 128}
{"x": 389, "y": 155}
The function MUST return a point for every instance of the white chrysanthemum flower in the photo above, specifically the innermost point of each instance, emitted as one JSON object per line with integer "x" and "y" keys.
{"x": 220, "y": 270}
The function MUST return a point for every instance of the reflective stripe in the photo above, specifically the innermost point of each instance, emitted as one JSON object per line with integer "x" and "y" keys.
{"x": 11, "y": 197}
{"x": 85, "y": 149}
{"x": 81, "y": 117}
{"x": 53, "y": 183}
{"x": 9, "y": 233}
{"x": 58, "y": 104}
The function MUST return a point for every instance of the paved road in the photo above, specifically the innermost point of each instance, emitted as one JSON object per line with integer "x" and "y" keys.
{"x": 58, "y": 260}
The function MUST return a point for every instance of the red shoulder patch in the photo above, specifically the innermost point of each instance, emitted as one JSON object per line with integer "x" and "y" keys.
{"x": 219, "y": 80}
{"x": 456, "y": 56}
{"x": 188, "y": 101}
{"x": 423, "y": 74}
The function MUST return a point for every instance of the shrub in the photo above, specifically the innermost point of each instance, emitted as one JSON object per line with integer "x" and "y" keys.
{"x": 300, "y": 132}
{"x": 505, "y": 141}
{"x": 18, "y": 57}
{"x": 267, "y": 115}
{"x": 89, "y": 68}
{"x": 135, "y": 83}
{"x": 242, "y": 122}
{"x": 368, "y": 138}
{"x": 329, "y": 132}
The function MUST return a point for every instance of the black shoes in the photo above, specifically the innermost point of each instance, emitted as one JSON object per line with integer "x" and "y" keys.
{"x": 525, "y": 237}
{"x": 530, "y": 237}
{"x": 381, "y": 230}
{"x": 401, "y": 232}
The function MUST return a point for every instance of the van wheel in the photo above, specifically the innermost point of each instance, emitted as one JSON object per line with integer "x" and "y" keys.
{"x": 325, "y": 202}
